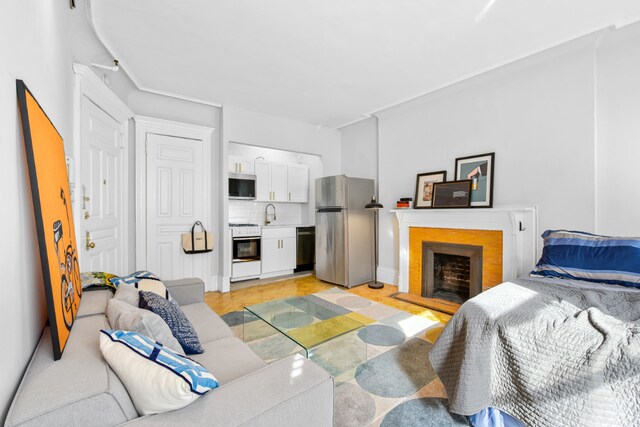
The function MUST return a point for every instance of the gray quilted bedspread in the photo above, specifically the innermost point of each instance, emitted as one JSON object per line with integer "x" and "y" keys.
{"x": 549, "y": 352}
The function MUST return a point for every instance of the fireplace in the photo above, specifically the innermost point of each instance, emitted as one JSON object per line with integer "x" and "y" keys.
{"x": 451, "y": 271}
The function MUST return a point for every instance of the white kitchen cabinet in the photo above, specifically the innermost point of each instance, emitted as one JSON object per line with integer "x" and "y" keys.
{"x": 240, "y": 165}
{"x": 270, "y": 255}
{"x": 278, "y": 250}
{"x": 298, "y": 183}
{"x": 271, "y": 181}
{"x": 279, "y": 172}
{"x": 288, "y": 253}
{"x": 262, "y": 170}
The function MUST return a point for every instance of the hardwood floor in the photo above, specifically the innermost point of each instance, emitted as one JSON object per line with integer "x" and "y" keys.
{"x": 238, "y": 299}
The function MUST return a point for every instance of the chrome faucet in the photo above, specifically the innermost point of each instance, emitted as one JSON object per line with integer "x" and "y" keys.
{"x": 266, "y": 214}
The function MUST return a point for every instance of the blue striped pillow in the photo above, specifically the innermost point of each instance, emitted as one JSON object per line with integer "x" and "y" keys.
{"x": 199, "y": 379}
{"x": 133, "y": 278}
{"x": 584, "y": 256}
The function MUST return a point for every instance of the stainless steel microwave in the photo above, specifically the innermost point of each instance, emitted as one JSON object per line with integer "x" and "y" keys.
{"x": 242, "y": 186}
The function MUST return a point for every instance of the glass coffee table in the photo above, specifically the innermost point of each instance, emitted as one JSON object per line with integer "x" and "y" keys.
{"x": 319, "y": 330}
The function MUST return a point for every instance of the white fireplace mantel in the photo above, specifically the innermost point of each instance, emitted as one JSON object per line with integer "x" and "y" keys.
{"x": 519, "y": 226}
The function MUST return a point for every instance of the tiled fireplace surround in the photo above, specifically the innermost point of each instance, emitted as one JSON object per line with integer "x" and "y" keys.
{"x": 507, "y": 235}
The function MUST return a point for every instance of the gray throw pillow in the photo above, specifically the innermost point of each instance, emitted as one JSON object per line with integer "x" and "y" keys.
{"x": 171, "y": 313}
{"x": 127, "y": 293}
{"x": 125, "y": 317}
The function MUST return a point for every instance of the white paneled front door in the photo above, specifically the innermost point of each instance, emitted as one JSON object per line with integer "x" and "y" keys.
{"x": 176, "y": 197}
{"x": 102, "y": 213}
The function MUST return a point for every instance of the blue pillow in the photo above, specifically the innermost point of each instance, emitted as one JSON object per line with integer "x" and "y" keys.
{"x": 584, "y": 256}
{"x": 133, "y": 278}
{"x": 170, "y": 312}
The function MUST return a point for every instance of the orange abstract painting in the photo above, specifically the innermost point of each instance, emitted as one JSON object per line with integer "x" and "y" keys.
{"x": 54, "y": 219}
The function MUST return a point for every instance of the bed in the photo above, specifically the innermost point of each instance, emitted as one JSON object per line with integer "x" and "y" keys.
{"x": 548, "y": 351}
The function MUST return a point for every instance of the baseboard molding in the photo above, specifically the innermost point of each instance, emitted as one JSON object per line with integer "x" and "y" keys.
{"x": 388, "y": 275}
{"x": 224, "y": 284}
{"x": 276, "y": 274}
{"x": 212, "y": 284}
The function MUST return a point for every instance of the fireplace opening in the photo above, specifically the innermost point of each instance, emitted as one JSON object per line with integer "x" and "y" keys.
{"x": 451, "y": 277}
{"x": 451, "y": 271}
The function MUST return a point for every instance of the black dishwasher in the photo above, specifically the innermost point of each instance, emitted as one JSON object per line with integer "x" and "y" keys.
{"x": 305, "y": 248}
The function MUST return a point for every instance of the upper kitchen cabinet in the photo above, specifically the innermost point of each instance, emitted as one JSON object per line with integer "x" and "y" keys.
{"x": 298, "y": 183}
{"x": 240, "y": 165}
{"x": 271, "y": 181}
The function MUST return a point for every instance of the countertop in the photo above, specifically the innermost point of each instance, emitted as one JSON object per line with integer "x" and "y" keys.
{"x": 287, "y": 225}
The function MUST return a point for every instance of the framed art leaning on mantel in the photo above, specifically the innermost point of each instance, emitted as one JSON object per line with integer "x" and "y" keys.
{"x": 424, "y": 188}
{"x": 480, "y": 170}
{"x": 452, "y": 194}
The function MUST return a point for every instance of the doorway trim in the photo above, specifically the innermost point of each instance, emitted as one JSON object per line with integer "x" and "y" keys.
{"x": 88, "y": 85}
{"x": 149, "y": 125}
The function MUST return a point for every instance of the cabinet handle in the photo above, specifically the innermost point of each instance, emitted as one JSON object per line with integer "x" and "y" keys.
{"x": 289, "y": 196}
{"x": 240, "y": 164}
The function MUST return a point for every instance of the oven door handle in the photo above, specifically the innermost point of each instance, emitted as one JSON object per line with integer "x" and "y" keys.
{"x": 246, "y": 238}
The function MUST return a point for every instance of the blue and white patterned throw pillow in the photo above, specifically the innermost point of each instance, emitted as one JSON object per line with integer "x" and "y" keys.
{"x": 180, "y": 326}
{"x": 133, "y": 278}
{"x": 157, "y": 379}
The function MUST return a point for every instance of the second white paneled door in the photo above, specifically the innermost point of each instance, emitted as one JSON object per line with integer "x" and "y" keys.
{"x": 177, "y": 194}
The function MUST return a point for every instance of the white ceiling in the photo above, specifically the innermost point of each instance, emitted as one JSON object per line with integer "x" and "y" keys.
{"x": 330, "y": 62}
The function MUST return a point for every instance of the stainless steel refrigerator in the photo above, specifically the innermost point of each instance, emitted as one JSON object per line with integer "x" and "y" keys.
{"x": 344, "y": 230}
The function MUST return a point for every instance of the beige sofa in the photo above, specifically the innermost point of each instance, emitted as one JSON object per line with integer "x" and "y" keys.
{"x": 80, "y": 389}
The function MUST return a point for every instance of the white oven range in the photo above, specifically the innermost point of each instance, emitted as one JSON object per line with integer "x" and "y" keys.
{"x": 245, "y": 244}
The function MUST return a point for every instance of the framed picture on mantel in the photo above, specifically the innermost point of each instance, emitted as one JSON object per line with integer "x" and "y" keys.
{"x": 480, "y": 170}
{"x": 453, "y": 194}
{"x": 424, "y": 188}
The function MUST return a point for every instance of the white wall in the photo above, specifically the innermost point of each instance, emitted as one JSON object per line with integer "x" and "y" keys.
{"x": 536, "y": 114}
{"x": 563, "y": 123}
{"x": 360, "y": 149}
{"x": 248, "y": 127}
{"x": 40, "y": 42}
{"x": 177, "y": 110}
{"x": 618, "y": 133}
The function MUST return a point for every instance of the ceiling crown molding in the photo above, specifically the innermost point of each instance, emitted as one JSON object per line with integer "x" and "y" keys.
{"x": 123, "y": 65}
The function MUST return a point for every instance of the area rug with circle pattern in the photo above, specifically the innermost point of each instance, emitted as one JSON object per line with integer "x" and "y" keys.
{"x": 394, "y": 385}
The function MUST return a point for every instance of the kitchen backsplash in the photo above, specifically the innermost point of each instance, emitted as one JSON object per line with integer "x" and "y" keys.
{"x": 253, "y": 212}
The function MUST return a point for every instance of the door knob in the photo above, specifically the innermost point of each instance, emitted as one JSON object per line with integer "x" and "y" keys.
{"x": 88, "y": 243}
